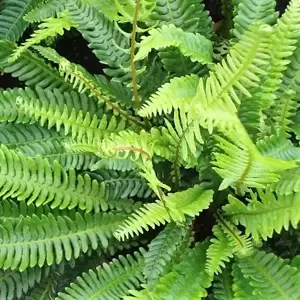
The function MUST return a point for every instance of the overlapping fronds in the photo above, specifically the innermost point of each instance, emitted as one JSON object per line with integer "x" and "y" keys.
{"x": 110, "y": 281}
{"x": 49, "y": 28}
{"x": 261, "y": 218}
{"x": 15, "y": 283}
{"x": 194, "y": 46}
{"x": 57, "y": 238}
{"x": 174, "y": 207}
{"x": 31, "y": 69}
{"x": 242, "y": 166}
{"x": 222, "y": 286}
{"x": 35, "y": 181}
{"x": 278, "y": 146}
{"x": 227, "y": 241}
{"x": 76, "y": 123}
{"x": 268, "y": 275}
{"x": 162, "y": 250}
{"x": 180, "y": 283}
{"x": 12, "y": 24}
{"x": 288, "y": 184}
{"x": 251, "y": 12}
{"x": 190, "y": 15}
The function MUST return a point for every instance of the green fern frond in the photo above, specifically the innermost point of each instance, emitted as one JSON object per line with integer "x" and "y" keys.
{"x": 283, "y": 43}
{"x": 278, "y": 146}
{"x": 35, "y": 181}
{"x": 243, "y": 167}
{"x": 12, "y": 24}
{"x": 174, "y": 207}
{"x": 121, "y": 185}
{"x": 222, "y": 286}
{"x": 14, "y": 283}
{"x": 241, "y": 287}
{"x": 46, "y": 289}
{"x": 270, "y": 275}
{"x": 179, "y": 65}
{"x": 76, "y": 123}
{"x": 47, "y": 9}
{"x": 253, "y": 11}
{"x": 162, "y": 250}
{"x": 262, "y": 218}
{"x": 219, "y": 252}
{"x": 109, "y": 45}
{"x": 189, "y": 15}
{"x": 288, "y": 184}
{"x": 178, "y": 93}
{"x": 12, "y": 211}
{"x": 51, "y": 27}
{"x": 180, "y": 283}
{"x": 115, "y": 164}
{"x": 194, "y": 46}
{"x": 56, "y": 239}
{"x": 111, "y": 281}
{"x": 31, "y": 69}
{"x": 227, "y": 241}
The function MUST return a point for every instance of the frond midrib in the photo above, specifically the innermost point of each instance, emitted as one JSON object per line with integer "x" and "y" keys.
{"x": 100, "y": 228}
{"x": 118, "y": 280}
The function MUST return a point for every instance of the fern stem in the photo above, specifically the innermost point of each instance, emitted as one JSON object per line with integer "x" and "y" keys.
{"x": 132, "y": 53}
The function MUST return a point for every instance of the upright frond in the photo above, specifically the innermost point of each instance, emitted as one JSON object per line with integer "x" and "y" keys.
{"x": 222, "y": 286}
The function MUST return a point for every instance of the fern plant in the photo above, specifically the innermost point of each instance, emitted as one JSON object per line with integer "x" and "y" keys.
{"x": 172, "y": 175}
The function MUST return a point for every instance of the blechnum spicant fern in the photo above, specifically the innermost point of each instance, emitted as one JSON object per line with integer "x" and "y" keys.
{"x": 172, "y": 175}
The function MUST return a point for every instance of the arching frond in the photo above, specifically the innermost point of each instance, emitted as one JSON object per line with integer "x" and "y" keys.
{"x": 76, "y": 123}
{"x": 12, "y": 24}
{"x": 56, "y": 238}
{"x": 270, "y": 275}
{"x": 261, "y": 218}
{"x": 251, "y": 12}
{"x": 49, "y": 28}
{"x": 162, "y": 250}
{"x": 111, "y": 281}
{"x": 174, "y": 207}
{"x": 194, "y": 46}
{"x": 31, "y": 69}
